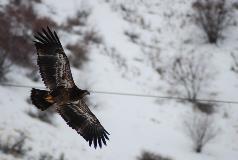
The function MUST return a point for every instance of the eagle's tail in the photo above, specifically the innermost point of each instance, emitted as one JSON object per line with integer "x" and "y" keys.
{"x": 41, "y": 99}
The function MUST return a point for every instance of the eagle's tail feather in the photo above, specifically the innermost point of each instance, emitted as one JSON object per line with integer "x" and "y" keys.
{"x": 41, "y": 99}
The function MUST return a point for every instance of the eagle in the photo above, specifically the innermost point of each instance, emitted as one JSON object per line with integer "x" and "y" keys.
{"x": 62, "y": 93}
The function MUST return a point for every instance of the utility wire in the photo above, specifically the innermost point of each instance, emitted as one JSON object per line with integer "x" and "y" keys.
{"x": 132, "y": 94}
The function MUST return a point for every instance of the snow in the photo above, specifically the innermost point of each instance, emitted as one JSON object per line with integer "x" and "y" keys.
{"x": 135, "y": 123}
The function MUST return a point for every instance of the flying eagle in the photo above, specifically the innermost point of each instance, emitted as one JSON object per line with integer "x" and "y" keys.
{"x": 69, "y": 99}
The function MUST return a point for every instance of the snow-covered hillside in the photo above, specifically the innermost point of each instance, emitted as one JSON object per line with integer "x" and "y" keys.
{"x": 125, "y": 64}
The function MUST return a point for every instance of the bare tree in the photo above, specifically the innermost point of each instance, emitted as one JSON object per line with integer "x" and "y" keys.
{"x": 190, "y": 74}
{"x": 234, "y": 67}
{"x": 200, "y": 129}
{"x": 212, "y": 17}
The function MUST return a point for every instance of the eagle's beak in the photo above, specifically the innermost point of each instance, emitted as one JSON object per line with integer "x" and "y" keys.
{"x": 86, "y": 93}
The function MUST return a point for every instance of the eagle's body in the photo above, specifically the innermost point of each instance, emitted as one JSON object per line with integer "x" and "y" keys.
{"x": 62, "y": 95}
{"x": 69, "y": 99}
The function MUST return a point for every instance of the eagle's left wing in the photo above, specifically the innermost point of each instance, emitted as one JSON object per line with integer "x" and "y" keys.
{"x": 79, "y": 117}
{"x": 52, "y": 61}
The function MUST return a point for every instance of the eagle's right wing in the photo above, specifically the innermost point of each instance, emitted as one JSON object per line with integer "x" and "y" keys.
{"x": 52, "y": 61}
{"x": 79, "y": 117}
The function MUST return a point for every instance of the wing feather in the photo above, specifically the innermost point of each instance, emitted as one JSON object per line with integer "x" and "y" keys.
{"x": 79, "y": 117}
{"x": 52, "y": 61}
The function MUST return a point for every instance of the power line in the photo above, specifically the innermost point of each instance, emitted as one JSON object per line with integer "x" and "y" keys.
{"x": 132, "y": 94}
{"x": 165, "y": 97}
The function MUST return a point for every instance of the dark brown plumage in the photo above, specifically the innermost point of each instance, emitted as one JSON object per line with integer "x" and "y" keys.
{"x": 56, "y": 75}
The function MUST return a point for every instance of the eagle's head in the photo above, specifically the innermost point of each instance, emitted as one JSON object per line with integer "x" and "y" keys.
{"x": 79, "y": 93}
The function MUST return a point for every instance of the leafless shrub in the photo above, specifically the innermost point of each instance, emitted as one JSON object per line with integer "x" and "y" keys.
{"x": 38, "y": 1}
{"x": 62, "y": 157}
{"x": 82, "y": 15}
{"x": 145, "y": 155}
{"x": 212, "y": 17}
{"x": 205, "y": 107}
{"x": 20, "y": 17}
{"x": 234, "y": 67}
{"x": 116, "y": 57}
{"x": 45, "y": 156}
{"x": 80, "y": 19}
{"x": 14, "y": 145}
{"x": 225, "y": 114}
{"x": 92, "y": 36}
{"x": 4, "y": 66}
{"x": 48, "y": 156}
{"x": 133, "y": 36}
{"x": 200, "y": 129}
{"x": 153, "y": 55}
{"x": 191, "y": 75}
{"x": 79, "y": 54}
{"x": 81, "y": 49}
{"x": 131, "y": 14}
{"x": 126, "y": 8}
{"x": 235, "y": 5}
{"x": 46, "y": 116}
{"x": 18, "y": 20}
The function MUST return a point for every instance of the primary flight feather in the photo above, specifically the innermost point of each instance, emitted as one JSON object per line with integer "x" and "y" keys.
{"x": 69, "y": 99}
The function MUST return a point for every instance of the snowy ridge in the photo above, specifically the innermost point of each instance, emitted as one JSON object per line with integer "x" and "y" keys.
{"x": 120, "y": 65}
